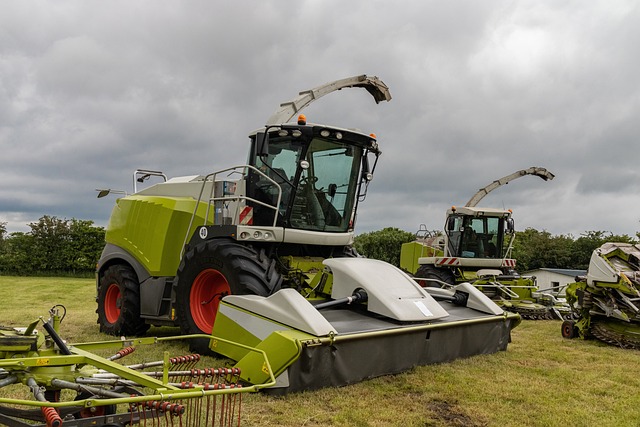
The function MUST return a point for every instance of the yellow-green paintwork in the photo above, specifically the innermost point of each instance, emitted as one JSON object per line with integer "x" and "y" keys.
{"x": 153, "y": 228}
{"x": 411, "y": 251}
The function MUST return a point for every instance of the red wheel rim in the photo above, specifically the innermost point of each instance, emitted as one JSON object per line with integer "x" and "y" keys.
{"x": 206, "y": 291}
{"x": 112, "y": 303}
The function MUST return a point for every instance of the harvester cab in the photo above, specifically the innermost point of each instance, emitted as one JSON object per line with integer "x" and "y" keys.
{"x": 478, "y": 233}
{"x": 303, "y": 177}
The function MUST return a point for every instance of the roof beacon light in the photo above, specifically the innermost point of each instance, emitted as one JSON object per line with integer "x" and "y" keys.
{"x": 302, "y": 120}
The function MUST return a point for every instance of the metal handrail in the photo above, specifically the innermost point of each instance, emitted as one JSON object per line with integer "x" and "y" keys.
{"x": 212, "y": 179}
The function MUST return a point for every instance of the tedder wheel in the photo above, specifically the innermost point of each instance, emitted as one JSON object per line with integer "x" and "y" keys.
{"x": 569, "y": 329}
{"x": 95, "y": 411}
{"x": 439, "y": 276}
{"x": 211, "y": 270}
{"x": 119, "y": 302}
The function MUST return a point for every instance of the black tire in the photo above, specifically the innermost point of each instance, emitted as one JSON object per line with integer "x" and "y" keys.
{"x": 119, "y": 302}
{"x": 211, "y": 270}
{"x": 440, "y": 277}
{"x": 569, "y": 329}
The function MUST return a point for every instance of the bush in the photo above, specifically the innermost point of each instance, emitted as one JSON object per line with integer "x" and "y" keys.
{"x": 384, "y": 244}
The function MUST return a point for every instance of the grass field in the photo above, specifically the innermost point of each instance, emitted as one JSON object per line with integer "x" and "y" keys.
{"x": 541, "y": 380}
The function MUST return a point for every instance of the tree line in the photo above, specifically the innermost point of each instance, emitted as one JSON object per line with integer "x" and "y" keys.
{"x": 54, "y": 246}
{"x": 72, "y": 247}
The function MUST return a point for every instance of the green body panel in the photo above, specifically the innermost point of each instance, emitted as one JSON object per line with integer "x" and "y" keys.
{"x": 228, "y": 328}
{"x": 411, "y": 251}
{"x": 306, "y": 264}
{"x": 304, "y": 272}
{"x": 282, "y": 344}
{"x": 583, "y": 324}
{"x": 282, "y": 349}
{"x": 152, "y": 229}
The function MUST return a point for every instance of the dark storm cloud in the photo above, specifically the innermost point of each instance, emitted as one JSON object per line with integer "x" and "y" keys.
{"x": 90, "y": 91}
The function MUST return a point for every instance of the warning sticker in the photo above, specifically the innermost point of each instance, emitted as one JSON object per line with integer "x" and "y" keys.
{"x": 246, "y": 216}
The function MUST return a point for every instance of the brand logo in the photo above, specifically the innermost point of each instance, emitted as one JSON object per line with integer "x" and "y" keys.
{"x": 203, "y": 233}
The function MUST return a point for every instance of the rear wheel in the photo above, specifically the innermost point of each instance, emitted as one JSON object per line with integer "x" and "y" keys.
{"x": 430, "y": 277}
{"x": 210, "y": 271}
{"x": 93, "y": 411}
{"x": 119, "y": 302}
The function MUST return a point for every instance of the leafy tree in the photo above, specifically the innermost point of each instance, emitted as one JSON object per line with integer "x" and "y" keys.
{"x": 384, "y": 244}
{"x": 584, "y": 245}
{"x": 53, "y": 246}
{"x": 16, "y": 258}
{"x": 530, "y": 247}
{"x": 539, "y": 249}
{"x": 85, "y": 246}
{"x": 51, "y": 241}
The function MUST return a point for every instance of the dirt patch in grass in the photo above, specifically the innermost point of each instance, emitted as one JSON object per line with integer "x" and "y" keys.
{"x": 450, "y": 414}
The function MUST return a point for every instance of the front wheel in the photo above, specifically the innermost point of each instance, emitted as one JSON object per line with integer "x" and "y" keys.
{"x": 119, "y": 302}
{"x": 429, "y": 276}
{"x": 210, "y": 271}
{"x": 569, "y": 329}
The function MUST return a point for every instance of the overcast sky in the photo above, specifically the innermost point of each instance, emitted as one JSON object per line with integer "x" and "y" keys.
{"x": 92, "y": 90}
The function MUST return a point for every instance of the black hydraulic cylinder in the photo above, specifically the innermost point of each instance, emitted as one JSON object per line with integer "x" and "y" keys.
{"x": 56, "y": 338}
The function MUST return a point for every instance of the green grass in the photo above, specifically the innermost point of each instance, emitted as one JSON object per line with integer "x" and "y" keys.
{"x": 541, "y": 380}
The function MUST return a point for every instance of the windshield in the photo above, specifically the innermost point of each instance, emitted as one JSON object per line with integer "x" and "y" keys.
{"x": 318, "y": 182}
{"x": 326, "y": 191}
{"x": 479, "y": 237}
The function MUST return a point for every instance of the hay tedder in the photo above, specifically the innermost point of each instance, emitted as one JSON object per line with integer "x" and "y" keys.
{"x": 46, "y": 382}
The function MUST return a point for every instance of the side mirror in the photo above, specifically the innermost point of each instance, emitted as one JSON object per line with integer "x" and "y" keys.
{"x": 451, "y": 223}
{"x": 103, "y": 192}
{"x": 262, "y": 144}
